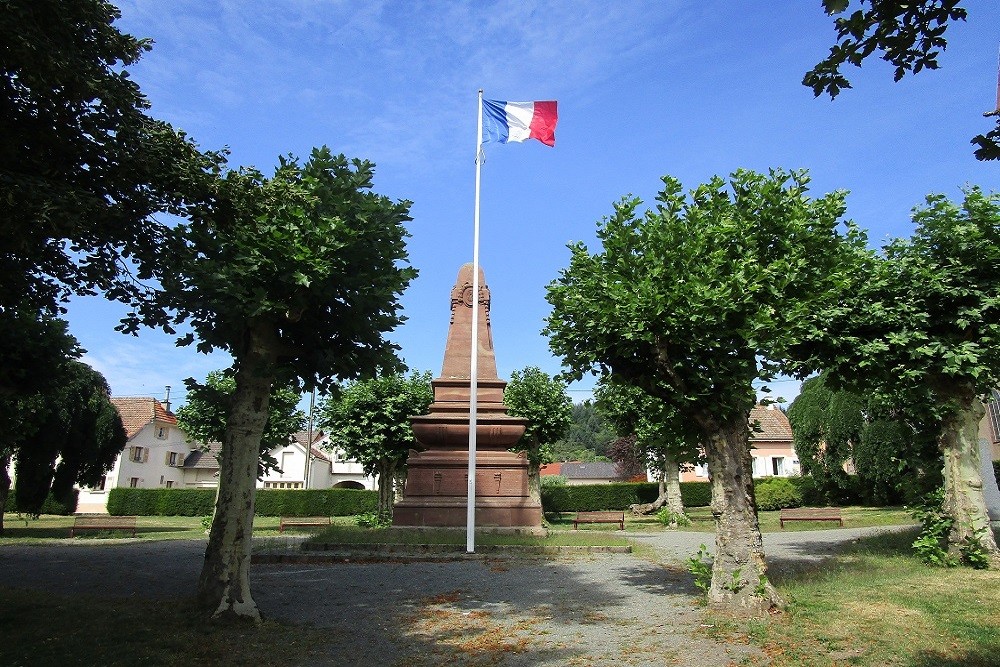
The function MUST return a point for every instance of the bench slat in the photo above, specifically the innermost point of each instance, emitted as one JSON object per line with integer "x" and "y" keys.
{"x": 600, "y": 517}
{"x": 101, "y": 522}
{"x": 810, "y": 514}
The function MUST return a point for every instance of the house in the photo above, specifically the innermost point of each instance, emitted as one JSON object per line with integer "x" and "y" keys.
{"x": 327, "y": 467}
{"x": 153, "y": 457}
{"x": 596, "y": 472}
{"x": 989, "y": 452}
{"x": 771, "y": 448}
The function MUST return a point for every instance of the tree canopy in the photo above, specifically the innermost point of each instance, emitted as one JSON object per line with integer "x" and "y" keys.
{"x": 696, "y": 299}
{"x": 203, "y": 415}
{"x": 82, "y": 166}
{"x": 543, "y": 401}
{"x": 910, "y": 36}
{"x": 923, "y": 325}
{"x": 893, "y": 458}
{"x": 66, "y": 432}
{"x": 369, "y": 421}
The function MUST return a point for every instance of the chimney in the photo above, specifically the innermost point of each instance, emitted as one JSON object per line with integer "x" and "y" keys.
{"x": 166, "y": 401}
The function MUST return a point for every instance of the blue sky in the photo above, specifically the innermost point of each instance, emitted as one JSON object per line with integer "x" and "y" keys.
{"x": 645, "y": 89}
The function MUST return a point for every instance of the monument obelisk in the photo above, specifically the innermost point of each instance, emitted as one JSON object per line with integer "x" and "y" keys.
{"x": 436, "y": 491}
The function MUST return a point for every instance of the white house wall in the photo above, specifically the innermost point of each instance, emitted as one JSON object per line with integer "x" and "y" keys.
{"x": 157, "y": 441}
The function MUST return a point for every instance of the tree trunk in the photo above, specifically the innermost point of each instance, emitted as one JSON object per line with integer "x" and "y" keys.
{"x": 400, "y": 477}
{"x": 670, "y": 483}
{"x": 739, "y": 573}
{"x": 386, "y": 479}
{"x": 224, "y": 585}
{"x": 4, "y": 487}
{"x": 963, "y": 481}
{"x": 534, "y": 480}
{"x": 669, "y": 494}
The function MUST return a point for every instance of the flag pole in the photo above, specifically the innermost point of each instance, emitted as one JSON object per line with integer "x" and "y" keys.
{"x": 470, "y": 520}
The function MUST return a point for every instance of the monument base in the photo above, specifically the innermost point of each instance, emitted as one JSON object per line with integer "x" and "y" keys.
{"x": 437, "y": 487}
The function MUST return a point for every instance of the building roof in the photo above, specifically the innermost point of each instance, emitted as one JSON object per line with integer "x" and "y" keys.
{"x": 773, "y": 424}
{"x": 593, "y": 470}
{"x": 137, "y": 411}
{"x": 550, "y": 469}
{"x": 202, "y": 460}
{"x": 302, "y": 437}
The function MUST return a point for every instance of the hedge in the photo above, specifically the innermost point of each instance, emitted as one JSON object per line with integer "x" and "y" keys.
{"x": 616, "y": 496}
{"x": 315, "y": 502}
{"x": 269, "y": 502}
{"x": 50, "y": 506}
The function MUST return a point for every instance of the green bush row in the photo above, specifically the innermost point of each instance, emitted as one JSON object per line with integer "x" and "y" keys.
{"x": 160, "y": 502}
{"x": 269, "y": 502}
{"x": 316, "y": 502}
{"x": 617, "y": 496}
{"x": 50, "y": 506}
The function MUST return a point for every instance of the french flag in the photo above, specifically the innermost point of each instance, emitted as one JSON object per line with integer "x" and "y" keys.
{"x": 504, "y": 122}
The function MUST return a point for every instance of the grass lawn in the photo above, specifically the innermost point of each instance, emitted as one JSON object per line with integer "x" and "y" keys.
{"x": 876, "y": 606}
{"x": 22, "y": 530}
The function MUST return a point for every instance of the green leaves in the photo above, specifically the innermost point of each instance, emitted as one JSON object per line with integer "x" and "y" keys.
{"x": 543, "y": 401}
{"x": 695, "y": 299}
{"x": 369, "y": 420}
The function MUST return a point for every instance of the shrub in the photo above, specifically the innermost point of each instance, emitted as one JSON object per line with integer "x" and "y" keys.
{"x": 50, "y": 506}
{"x": 315, "y": 502}
{"x": 553, "y": 480}
{"x": 777, "y": 493}
{"x": 270, "y": 502}
{"x": 671, "y": 518}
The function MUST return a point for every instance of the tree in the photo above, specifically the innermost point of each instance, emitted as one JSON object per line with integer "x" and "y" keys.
{"x": 296, "y": 276}
{"x": 661, "y": 441}
{"x": 908, "y": 35}
{"x": 203, "y": 415}
{"x": 82, "y": 166}
{"x": 890, "y": 452}
{"x": 587, "y": 438}
{"x": 695, "y": 300}
{"x": 72, "y": 435}
{"x": 924, "y": 325}
{"x": 543, "y": 401}
{"x": 369, "y": 421}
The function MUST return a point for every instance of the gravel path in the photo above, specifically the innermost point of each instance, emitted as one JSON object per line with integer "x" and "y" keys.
{"x": 598, "y": 610}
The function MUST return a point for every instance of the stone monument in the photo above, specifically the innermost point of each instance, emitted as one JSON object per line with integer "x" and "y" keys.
{"x": 437, "y": 477}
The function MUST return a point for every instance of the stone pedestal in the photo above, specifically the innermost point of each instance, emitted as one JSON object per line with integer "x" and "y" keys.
{"x": 437, "y": 479}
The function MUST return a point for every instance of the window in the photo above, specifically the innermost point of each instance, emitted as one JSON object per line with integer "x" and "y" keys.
{"x": 139, "y": 454}
{"x": 170, "y": 483}
{"x": 993, "y": 408}
{"x": 174, "y": 459}
{"x": 133, "y": 482}
{"x": 162, "y": 432}
{"x": 778, "y": 465}
{"x": 102, "y": 485}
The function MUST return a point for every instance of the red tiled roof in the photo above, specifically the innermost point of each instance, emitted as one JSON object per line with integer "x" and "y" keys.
{"x": 137, "y": 411}
{"x": 550, "y": 469}
{"x": 773, "y": 424}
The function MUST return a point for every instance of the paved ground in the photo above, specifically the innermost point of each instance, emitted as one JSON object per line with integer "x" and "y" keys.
{"x": 596, "y": 610}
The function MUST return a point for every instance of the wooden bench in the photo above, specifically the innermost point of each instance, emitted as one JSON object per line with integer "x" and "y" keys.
{"x": 600, "y": 517}
{"x": 811, "y": 514}
{"x": 102, "y": 522}
{"x": 287, "y": 521}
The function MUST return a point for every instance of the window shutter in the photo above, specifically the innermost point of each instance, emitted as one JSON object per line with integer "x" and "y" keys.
{"x": 145, "y": 454}
{"x": 166, "y": 458}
